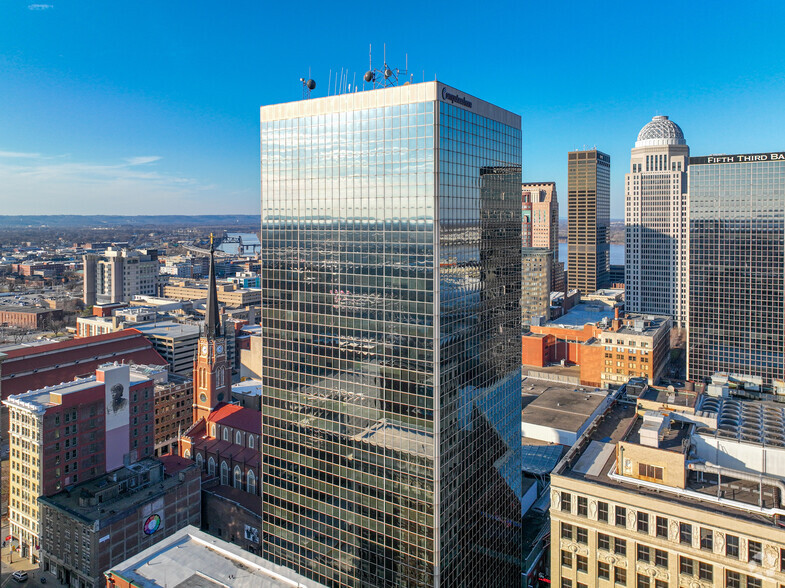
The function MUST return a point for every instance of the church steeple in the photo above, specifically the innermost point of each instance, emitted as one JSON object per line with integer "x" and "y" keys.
{"x": 212, "y": 320}
{"x": 212, "y": 375}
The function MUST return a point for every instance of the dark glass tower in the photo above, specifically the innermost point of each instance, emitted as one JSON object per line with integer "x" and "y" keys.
{"x": 588, "y": 220}
{"x": 391, "y": 239}
{"x": 737, "y": 266}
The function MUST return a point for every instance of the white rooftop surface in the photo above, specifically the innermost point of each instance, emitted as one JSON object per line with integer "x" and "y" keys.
{"x": 582, "y": 314}
{"x": 248, "y": 387}
{"x": 389, "y": 435}
{"x": 42, "y": 398}
{"x": 167, "y": 329}
{"x": 191, "y": 558}
{"x": 594, "y": 458}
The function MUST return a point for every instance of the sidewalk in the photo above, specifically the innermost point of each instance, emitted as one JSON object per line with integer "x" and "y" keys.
{"x": 11, "y": 562}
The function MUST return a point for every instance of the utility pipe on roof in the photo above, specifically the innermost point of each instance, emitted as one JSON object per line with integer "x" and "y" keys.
{"x": 710, "y": 468}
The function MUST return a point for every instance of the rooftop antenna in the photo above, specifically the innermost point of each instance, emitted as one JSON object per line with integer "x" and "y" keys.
{"x": 385, "y": 76}
{"x": 308, "y": 85}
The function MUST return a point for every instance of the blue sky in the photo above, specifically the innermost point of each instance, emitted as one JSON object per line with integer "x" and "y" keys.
{"x": 152, "y": 107}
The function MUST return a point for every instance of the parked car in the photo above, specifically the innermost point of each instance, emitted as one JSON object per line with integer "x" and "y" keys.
{"x": 19, "y": 576}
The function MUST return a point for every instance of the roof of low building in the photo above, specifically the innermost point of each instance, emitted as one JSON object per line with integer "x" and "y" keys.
{"x": 191, "y": 558}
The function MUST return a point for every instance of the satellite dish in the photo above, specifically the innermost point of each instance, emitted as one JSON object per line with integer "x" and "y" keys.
{"x": 387, "y": 72}
{"x": 368, "y": 77}
{"x": 310, "y": 84}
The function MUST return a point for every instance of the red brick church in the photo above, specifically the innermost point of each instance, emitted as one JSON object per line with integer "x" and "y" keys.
{"x": 224, "y": 440}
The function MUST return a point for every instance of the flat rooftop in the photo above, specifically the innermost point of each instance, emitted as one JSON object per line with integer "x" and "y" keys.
{"x": 168, "y": 329}
{"x": 582, "y": 314}
{"x": 248, "y": 387}
{"x": 595, "y": 461}
{"x": 559, "y": 406}
{"x": 191, "y": 558}
{"x": 680, "y": 397}
{"x": 389, "y": 435}
{"x": 69, "y": 500}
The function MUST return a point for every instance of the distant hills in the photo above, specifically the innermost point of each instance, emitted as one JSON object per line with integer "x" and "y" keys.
{"x": 73, "y": 221}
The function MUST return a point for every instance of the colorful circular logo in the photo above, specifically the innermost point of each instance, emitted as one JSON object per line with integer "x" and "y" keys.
{"x": 151, "y": 524}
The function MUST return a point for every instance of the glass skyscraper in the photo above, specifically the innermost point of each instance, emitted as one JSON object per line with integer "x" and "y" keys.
{"x": 737, "y": 266}
{"x": 391, "y": 243}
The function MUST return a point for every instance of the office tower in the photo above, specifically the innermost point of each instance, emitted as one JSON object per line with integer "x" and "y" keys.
{"x": 737, "y": 260}
{"x": 71, "y": 432}
{"x": 536, "y": 268}
{"x": 391, "y": 260}
{"x": 668, "y": 494}
{"x": 545, "y": 225}
{"x": 120, "y": 274}
{"x": 526, "y": 218}
{"x": 655, "y": 222}
{"x": 588, "y": 220}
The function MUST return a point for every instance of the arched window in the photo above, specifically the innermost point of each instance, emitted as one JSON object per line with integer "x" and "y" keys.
{"x": 211, "y": 466}
{"x": 250, "y": 441}
{"x": 187, "y": 454}
{"x": 226, "y": 434}
{"x": 238, "y": 438}
{"x": 238, "y": 477}
{"x": 212, "y": 430}
{"x": 250, "y": 483}
{"x": 224, "y": 473}
{"x": 199, "y": 460}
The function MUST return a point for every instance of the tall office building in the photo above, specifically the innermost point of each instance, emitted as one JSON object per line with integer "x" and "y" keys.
{"x": 737, "y": 266}
{"x": 545, "y": 225}
{"x": 655, "y": 222}
{"x": 588, "y": 220}
{"x": 120, "y": 274}
{"x": 391, "y": 244}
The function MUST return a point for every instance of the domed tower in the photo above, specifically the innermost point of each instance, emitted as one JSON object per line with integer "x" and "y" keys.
{"x": 656, "y": 222}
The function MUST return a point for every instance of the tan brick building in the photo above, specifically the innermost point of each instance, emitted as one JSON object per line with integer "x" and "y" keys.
{"x": 668, "y": 498}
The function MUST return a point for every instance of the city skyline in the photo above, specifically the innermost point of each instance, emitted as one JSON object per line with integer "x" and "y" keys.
{"x": 108, "y": 105}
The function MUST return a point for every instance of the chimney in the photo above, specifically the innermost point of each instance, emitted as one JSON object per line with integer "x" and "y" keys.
{"x": 616, "y": 324}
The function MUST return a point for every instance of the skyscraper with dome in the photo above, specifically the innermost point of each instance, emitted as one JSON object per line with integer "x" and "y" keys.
{"x": 656, "y": 222}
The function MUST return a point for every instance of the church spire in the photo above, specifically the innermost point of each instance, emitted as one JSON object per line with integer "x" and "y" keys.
{"x": 212, "y": 320}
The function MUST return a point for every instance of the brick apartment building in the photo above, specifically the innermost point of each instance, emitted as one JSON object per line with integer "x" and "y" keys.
{"x": 70, "y": 433}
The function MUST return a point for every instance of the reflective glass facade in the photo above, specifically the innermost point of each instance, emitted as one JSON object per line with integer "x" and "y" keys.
{"x": 391, "y": 237}
{"x": 737, "y": 267}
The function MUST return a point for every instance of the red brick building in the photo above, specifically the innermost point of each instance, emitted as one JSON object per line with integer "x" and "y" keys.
{"x": 82, "y": 429}
{"x": 30, "y": 318}
{"x": 31, "y": 368}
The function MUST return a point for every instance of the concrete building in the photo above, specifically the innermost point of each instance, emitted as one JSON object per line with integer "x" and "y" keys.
{"x": 229, "y": 294}
{"x": 71, "y": 432}
{"x": 402, "y": 346}
{"x": 98, "y": 524}
{"x": 175, "y": 342}
{"x": 668, "y": 494}
{"x": 120, "y": 274}
{"x": 656, "y": 222}
{"x": 588, "y": 220}
{"x": 536, "y": 268}
{"x": 609, "y": 348}
{"x": 545, "y": 225}
{"x": 737, "y": 266}
{"x": 248, "y": 394}
{"x": 191, "y": 558}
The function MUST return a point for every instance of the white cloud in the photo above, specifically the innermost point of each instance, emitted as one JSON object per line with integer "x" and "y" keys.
{"x": 39, "y": 6}
{"x": 18, "y": 154}
{"x": 142, "y": 160}
{"x": 35, "y": 184}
